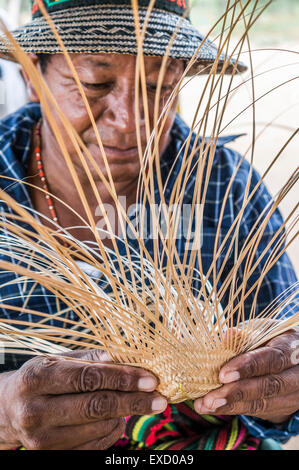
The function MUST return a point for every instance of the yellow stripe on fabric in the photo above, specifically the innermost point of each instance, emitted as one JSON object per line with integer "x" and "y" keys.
{"x": 170, "y": 427}
{"x": 211, "y": 419}
{"x": 137, "y": 427}
{"x": 234, "y": 434}
{"x": 165, "y": 445}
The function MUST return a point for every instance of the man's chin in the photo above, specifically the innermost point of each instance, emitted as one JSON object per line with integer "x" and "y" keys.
{"x": 120, "y": 173}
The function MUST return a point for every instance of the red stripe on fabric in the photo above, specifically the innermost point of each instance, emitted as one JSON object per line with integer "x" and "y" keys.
{"x": 188, "y": 431}
{"x": 167, "y": 412}
{"x": 189, "y": 412}
{"x": 221, "y": 440}
{"x": 182, "y": 444}
{"x": 121, "y": 443}
{"x": 168, "y": 433}
{"x": 151, "y": 438}
{"x": 226, "y": 418}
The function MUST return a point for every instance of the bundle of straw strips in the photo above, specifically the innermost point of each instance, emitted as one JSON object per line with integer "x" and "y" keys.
{"x": 156, "y": 310}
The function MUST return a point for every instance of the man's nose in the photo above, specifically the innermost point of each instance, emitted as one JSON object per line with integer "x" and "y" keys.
{"x": 121, "y": 110}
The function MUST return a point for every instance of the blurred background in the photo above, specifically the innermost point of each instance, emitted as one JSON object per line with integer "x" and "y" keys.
{"x": 274, "y": 42}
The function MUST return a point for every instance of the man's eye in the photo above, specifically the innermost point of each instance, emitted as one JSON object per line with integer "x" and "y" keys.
{"x": 96, "y": 86}
{"x": 153, "y": 88}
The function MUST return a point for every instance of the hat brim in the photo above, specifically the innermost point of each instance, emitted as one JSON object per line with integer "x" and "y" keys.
{"x": 110, "y": 29}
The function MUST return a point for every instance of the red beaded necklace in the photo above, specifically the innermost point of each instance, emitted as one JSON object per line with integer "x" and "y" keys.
{"x": 42, "y": 175}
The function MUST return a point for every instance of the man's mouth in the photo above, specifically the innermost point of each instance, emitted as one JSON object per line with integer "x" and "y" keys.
{"x": 121, "y": 154}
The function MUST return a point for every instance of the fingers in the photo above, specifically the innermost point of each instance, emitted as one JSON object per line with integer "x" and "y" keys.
{"x": 262, "y": 408}
{"x": 74, "y": 436}
{"x": 67, "y": 437}
{"x": 276, "y": 356}
{"x": 57, "y": 376}
{"x": 105, "y": 442}
{"x": 76, "y": 409}
{"x": 249, "y": 390}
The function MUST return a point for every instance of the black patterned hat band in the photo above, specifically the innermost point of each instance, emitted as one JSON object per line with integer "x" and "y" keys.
{"x": 107, "y": 26}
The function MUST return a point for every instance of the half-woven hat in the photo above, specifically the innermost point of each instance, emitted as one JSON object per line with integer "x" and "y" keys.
{"x": 107, "y": 26}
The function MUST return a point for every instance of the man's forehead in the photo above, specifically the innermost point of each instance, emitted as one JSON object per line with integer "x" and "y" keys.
{"x": 111, "y": 61}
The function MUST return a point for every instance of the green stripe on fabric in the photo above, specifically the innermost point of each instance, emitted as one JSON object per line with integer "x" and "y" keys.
{"x": 211, "y": 440}
{"x": 190, "y": 403}
{"x": 170, "y": 427}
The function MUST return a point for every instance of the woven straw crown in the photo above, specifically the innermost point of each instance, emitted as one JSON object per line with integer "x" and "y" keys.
{"x": 101, "y": 26}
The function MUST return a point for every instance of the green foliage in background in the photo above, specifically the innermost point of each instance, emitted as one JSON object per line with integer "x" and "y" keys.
{"x": 277, "y": 25}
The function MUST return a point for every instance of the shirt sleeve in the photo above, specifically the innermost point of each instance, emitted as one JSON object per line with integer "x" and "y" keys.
{"x": 265, "y": 430}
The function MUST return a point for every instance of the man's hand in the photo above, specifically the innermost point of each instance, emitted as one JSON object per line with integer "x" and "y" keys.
{"x": 62, "y": 403}
{"x": 262, "y": 383}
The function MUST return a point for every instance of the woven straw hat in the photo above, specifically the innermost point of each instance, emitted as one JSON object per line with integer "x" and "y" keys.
{"x": 107, "y": 26}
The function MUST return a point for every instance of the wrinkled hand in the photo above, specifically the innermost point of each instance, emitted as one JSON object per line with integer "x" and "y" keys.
{"x": 262, "y": 383}
{"x": 59, "y": 403}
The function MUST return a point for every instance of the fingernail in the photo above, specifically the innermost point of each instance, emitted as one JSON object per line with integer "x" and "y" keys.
{"x": 230, "y": 377}
{"x": 159, "y": 404}
{"x": 201, "y": 409}
{"x": 219, "y": 402}
{"x": 105, "y": 357}
{"x": 213, "y": 403}
{"x": 197, "y": 405}
{"x": 147, "y": 384}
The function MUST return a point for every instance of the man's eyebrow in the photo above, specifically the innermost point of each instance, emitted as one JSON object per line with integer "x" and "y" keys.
{"x": 156, "y": 66}
{"x": 99, "y": 62}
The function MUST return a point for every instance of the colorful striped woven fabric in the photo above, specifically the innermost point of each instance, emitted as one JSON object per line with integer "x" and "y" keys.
{"x": 180, "y": 427}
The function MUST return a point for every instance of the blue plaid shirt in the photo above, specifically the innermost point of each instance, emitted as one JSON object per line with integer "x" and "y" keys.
{"x": 15, "y": 141}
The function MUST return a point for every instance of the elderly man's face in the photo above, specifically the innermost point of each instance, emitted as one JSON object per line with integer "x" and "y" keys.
{"x": 109, "y": 83}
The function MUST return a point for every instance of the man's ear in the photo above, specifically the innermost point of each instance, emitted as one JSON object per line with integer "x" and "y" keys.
{"x": 32, "y": 95}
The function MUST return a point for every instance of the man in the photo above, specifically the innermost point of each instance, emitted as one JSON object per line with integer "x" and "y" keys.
{"x": 58, "y": 404}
